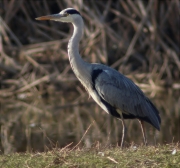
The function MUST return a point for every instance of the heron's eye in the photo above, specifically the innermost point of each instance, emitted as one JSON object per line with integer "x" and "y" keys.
{"x": 66, "y": 14}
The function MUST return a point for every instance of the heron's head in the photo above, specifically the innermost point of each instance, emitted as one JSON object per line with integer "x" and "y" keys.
{"x": 66, "y": 15}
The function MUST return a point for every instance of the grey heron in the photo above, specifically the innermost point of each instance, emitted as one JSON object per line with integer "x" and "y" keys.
{"x": 111, "y": 90}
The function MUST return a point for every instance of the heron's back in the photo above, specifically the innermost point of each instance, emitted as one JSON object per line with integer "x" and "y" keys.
{"x": 119, "y": 94}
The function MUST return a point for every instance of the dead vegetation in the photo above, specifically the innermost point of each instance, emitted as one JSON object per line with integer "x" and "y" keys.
{"x": 40, "y": 96}
{"x": 159, "y": 156}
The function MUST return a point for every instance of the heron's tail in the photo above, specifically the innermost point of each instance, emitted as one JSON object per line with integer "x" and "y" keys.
{"x": 153, "y": 115}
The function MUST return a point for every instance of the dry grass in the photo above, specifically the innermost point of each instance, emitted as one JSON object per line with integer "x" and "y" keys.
{"x": 160, "y": 156}
{"x": 41, "y": 98}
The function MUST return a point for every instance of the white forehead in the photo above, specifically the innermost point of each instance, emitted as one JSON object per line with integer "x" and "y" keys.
{"x": 66, "y": 10}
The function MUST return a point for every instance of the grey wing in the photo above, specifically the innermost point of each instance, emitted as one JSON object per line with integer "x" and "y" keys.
{"x": 121, "y": 93}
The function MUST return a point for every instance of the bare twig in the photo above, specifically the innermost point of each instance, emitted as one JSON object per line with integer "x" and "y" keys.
{"x": 82, "y": 136}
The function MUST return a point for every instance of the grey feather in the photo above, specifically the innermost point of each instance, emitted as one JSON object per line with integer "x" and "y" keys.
{"x": 122, "y": 93}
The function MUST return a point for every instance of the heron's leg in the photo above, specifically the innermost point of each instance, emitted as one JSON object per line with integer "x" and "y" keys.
{"x": 143, "y": 132}
{"x": 123, "y": 131}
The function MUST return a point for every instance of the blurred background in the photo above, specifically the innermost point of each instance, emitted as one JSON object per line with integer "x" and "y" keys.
{"x": 43, "y": 105}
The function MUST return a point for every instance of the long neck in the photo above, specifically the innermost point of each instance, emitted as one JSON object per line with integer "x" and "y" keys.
{"x": 80, "y": 67}
{"x": 73, "y": 45}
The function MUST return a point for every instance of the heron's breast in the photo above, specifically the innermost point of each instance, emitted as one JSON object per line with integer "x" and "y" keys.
{"x": 97, "y": 100}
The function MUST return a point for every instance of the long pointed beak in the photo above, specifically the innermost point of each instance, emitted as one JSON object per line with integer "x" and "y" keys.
{"x": 50, "y": 17}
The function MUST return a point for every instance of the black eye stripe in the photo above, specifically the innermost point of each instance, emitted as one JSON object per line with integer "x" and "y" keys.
{"x": 73, "y": 11}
